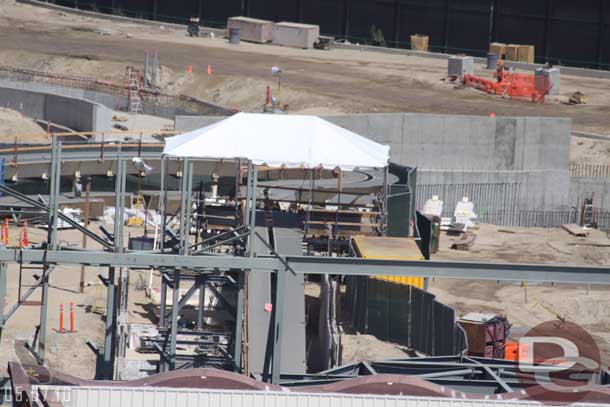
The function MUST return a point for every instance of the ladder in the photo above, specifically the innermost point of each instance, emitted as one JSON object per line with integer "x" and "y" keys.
{"x": 133, "y": 83}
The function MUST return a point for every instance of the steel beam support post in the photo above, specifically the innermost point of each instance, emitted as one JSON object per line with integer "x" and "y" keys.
{"x": 162, "y": 203}
{"x": 278, "y": 315}
{"x": 185, "y": 205}
{"x": 252, "y": 184}
{"x": 119, "y": 212}
{"x": 248, "y": 195}
{"x": 174, "y": 321}
{"x": 3, "y": 269}
{"x": 51, "y": 243}
{"x": 163, "y": 301}
{"x": 200, "y": 281}
{"x": 239, "y": 321}
{"x": 252, "y": 208}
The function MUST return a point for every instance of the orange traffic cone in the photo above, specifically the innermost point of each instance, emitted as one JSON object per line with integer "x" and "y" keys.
{"x": 61, "y": 318}
{"x": 72, "y": 317}
{"x": 209, "y": 70}
{"x": 190, "y": 69}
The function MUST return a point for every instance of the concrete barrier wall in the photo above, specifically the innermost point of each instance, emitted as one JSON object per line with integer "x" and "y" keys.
{"x": 507, "y": 163}
{"x": 456, "y": 143}
{"x": 70, "y": 111}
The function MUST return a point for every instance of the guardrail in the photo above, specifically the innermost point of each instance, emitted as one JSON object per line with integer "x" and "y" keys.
{"x": 589, "y": 170}
{"x": 186, "y": 103}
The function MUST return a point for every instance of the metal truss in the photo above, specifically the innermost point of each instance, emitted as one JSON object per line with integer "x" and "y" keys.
{"x": 186, "y": 260}
{"x": 461, "y": 373}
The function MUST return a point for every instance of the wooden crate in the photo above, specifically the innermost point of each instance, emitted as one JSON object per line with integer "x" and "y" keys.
{"x": 526, "y": 54}
{"x": 498, "y": 48}
{"x": 512, "y": 52}
{"x": 419, "y": 42}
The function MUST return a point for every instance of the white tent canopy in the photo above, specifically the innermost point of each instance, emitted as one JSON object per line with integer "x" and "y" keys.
{"x": 280, "y": 141}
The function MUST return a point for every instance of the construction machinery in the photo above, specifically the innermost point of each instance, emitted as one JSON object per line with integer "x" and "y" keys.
{"x": 508, "y": 83}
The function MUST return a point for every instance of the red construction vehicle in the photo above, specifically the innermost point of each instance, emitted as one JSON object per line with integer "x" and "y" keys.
{"x": 507, "y": 83}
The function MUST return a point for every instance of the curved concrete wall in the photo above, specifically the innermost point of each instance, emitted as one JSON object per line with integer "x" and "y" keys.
{"x": 75, "y": 113}
{"x": 503, "y": 164}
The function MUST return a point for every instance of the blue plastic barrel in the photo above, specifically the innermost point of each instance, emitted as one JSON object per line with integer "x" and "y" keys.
{"x": 492, "y": 61}
{"x": 234, "y": 35}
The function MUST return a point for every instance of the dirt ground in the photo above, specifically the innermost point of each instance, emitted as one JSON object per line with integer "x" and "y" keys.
{"x": 524, "y": 306}
{"x": 314, "y": 81}
{"x": 589, "y": 151}
{"x": 66, "y": 352}
{"x": 529, "y": 305}
{"x": 13, "y": 123}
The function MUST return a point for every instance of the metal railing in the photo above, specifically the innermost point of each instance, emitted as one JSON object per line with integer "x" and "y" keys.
{"x": 186, "y": 103}
{"x": 589, "y": 170}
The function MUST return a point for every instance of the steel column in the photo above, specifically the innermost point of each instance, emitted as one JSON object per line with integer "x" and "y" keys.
{"x": 200, "y": 281}
{"x": 3, "y": 269}
{"x": 250, "y": 220}
{"x": 51, "y": 243}
{"x": 252, "y": 207}
{"x": 185, "y": 205}
{"x": 163, "y": 301}
{"x": 239, "y": 320}
{"x": 278, "y": 315}
{"x": 162, "y": 203}
{"x": 174, "y": 322}
{"x": 248, "y": 196}
{"x": 119, "y": 206}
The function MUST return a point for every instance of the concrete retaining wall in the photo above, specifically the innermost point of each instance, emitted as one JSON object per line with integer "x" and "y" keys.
{"x": 507, "y": 163}
{"x": 67, "y": 110}
{"x": 105, "y": 100}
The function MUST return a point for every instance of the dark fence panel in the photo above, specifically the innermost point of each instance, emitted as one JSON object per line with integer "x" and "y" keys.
{"x": 427, "y": 17}
{"x": 403, "y": 314}
{"x": 275, "y": 10}
{"x": 469, "y": 26}
{"x": 571, "y": 32}
{"x": 328, "y": 14}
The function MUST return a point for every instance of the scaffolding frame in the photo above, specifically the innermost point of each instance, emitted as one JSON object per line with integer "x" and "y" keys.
{"x": 198, "y": 264}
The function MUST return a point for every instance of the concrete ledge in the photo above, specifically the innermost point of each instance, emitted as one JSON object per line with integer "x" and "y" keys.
{"x": 71, "y": 112}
